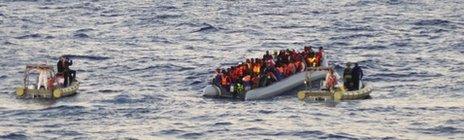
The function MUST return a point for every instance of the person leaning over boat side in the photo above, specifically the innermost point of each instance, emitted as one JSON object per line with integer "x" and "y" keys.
{"x": 357, "y": 74}
{"x": 347, "y": 77}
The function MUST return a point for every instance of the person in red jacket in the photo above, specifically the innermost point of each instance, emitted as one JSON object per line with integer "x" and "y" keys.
{"x": 319, "y": 56}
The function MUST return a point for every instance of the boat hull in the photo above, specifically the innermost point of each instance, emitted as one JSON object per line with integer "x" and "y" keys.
{"x": 22, "y": 92}
{"x": 276, "y": 89}
{"x": 362, "y": 93}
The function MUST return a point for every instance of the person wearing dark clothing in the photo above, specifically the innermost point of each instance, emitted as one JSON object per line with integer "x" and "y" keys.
{"x": 347, "y": 77}
{"x": 357, "y": 74}
{"x": 63, "y": 67}
{"x": 267, "y": 56}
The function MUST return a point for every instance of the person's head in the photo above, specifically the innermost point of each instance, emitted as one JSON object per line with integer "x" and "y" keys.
{"x": 355, "y": 64}
{"x": 267, "y": 52}
{"x": 320, "y": 48}
{"x": 348, "y": 64}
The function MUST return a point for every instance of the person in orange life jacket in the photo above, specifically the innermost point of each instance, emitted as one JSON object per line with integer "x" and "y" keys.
{"x": 288, "y": 70}
{"x": 225, "y": 81}
{"x": 255, "y": 80}
{"x": 331, "y": 80}
{"x": 298, "y": 66}
{"x": 247, "y": 82}
{"x": 280, "y": 72}
{"x": 292, "y": 67}
{"x": 319, "y": 56}
{"x": 257, "y": 67}
{"x": 311, "y": 61}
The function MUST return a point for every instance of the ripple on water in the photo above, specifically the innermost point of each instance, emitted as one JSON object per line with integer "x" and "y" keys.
{"x": 16, "y": 136}
{"x": 432, "y": 22}
{"x": 440, "y": 130}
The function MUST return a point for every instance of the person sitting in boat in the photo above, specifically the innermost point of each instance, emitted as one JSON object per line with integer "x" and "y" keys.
{"x": 257, "y": 67}
{"x": 357, "y": 74}
{"x": 311, "y": 61}
{"x": 347, "y": 77}
{"x": 280, "y": 72}
{"x": 255, "y": 80}
{"x": 319, "y": 56}
{"x": 267, "y": 56}
{"x": 217, "y": 79}
{"x": 274, "y": 56}
{"x": 268, "y": 79}
{"x": 247, "y": 82}
{"x": 225, "y": 80}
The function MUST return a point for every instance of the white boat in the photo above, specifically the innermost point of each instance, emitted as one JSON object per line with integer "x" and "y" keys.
{"x": 273, "y": 90}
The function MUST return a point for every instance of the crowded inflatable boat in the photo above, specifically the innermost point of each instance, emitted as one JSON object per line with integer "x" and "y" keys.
{"x": 269, "y": 76}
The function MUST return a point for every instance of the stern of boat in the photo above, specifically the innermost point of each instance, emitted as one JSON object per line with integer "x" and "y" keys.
{"x": 211, "y": 91}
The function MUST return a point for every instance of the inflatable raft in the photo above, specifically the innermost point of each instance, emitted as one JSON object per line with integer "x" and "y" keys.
{"x": 22, "y": 92}
{"x": 339, "y": 94}
{"x": 273, "y": 90}
{"x": 40, "y": 81}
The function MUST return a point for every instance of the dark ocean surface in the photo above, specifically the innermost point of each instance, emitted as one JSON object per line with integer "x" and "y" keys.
{"x": 143, "y": 65}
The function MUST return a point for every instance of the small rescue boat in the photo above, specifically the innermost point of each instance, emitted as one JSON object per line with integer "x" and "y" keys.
{"x": 46, "y": 75}
{"x": 339, "y": 94}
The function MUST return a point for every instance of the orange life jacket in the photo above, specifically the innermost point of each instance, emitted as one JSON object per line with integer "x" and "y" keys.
{"x": 246, "y": 78}
{"x": 281, "y": 69}
{"x": 225, "y": 80}
{"x": 257, "y": 69}
{"x": 298, "y": 66}
{"x": 312, "y": 62}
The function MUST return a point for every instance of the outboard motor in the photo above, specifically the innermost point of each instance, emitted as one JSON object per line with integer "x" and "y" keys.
{"x": 211, "y": 91}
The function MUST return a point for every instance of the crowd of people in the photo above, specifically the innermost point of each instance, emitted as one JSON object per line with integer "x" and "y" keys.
{"x": 261, "y": 72}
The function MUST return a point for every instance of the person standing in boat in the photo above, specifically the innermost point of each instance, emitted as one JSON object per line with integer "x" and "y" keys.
{"x": 63, "y": 67}
{"x": 43, "y": 78}
{"x": 331, "y": 80}
{"x": 347, "y": 77}
{"x": 357, "y": 74}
